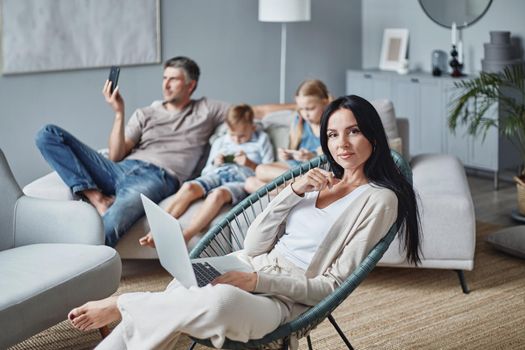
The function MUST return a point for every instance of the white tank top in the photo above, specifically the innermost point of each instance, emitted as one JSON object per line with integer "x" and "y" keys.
{"x": 307, "y": 226}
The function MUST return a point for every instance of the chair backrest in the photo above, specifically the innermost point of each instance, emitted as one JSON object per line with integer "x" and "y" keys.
{"x": 229, "y": 234}
{"x": 9, "y": 194}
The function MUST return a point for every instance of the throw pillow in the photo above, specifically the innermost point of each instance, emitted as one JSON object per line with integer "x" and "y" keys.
{"x": 396, "y": 144}
{"x": 386, "y": 112}
{"x": 509, "y": 240}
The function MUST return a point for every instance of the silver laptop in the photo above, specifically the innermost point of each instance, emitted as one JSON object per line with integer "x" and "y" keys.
{"x": 173, "y": 254}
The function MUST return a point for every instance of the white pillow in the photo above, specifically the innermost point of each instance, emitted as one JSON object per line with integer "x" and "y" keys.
{"x": 396, "y": 144}
{"x": 386, "y": 112}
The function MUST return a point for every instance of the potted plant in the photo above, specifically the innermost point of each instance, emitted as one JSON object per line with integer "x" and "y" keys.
{"x": 474, "y": 99}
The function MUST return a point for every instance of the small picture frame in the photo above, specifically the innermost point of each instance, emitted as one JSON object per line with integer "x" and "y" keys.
{"x": 394, "y": 48}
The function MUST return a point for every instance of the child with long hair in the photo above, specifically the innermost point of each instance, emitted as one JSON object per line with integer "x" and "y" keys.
{"x": 311, "y": 98}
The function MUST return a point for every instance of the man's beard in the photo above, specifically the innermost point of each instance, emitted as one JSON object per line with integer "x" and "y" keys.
{"x": 174, "y": 100}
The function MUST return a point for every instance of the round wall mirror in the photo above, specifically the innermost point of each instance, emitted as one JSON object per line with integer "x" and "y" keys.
{"x": 462, "y": 12}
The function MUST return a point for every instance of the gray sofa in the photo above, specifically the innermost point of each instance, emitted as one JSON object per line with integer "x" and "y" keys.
{"x": 447, "y": 212}
{"x": 52, "y": 258}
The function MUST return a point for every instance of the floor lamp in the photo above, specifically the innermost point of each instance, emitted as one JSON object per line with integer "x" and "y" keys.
{"x": 283, "y": 11}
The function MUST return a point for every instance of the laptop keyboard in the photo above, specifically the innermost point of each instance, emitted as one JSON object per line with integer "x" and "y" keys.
{"x": 204, "y": 273}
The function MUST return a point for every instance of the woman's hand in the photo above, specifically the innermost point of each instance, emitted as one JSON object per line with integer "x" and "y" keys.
{"x": 243, "y": 280}
{"x": 113, "y": 99}
{"x": 303, "y": 155}
{"x": 314, "y": 180}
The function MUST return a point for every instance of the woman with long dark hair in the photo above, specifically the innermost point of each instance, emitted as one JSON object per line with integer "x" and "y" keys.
{"x": 308, "y": 240}
{"x": 380, "y": 168}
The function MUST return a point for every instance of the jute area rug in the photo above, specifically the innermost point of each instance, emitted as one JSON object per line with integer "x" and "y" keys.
{"x": 392, "y": 309}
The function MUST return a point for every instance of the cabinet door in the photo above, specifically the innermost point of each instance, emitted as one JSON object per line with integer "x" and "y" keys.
{"x": 419, "y": 100}
{"x": 358, "y": 83}
{"x": 484, "y": 151}
{"x": 369, "y": 85}
{"x": 405, "y": 96}
{"x": 381, "y": 88}
{"x": 431, "y": 117}
{"x": 456, "y": 142}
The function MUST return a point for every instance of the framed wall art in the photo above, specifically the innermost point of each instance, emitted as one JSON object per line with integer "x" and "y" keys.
{"x": 54, "y": 35}
{"x": 394, "y": 48}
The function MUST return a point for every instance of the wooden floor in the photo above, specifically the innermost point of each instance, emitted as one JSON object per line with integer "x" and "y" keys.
{"x": 493, "y": 206}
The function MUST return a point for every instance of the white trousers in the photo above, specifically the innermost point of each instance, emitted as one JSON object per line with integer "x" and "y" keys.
{"x": 155, "y": 320}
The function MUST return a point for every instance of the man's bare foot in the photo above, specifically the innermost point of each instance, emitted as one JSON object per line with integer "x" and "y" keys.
{"x": 95, "y": 314}
{"x": 147, "y": 240}
{"x": 99, "y": 200}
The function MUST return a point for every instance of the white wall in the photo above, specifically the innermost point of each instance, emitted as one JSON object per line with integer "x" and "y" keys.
{"x": 425, "y": 35}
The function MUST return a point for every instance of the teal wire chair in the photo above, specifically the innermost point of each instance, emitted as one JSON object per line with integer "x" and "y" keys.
{"x": 228, "y": 236}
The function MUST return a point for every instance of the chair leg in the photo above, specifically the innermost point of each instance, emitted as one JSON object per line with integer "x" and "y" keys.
{"x": 309, "y": 341}
{"x": 104, "y": 331}
{"x": 341, "y": 334}
{"x": 192, "y": 345}
{"x": 463, "y": 281}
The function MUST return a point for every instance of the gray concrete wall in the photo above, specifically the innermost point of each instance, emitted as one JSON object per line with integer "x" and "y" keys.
{"x": 238, "y": 56}
{"x": 425, "y": 35}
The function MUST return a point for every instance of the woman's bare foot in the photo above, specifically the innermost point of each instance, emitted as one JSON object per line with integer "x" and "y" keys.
{"x": 147, "y": 240}
{"x": 95, "y": 314}
{"x": 100, "y": 201}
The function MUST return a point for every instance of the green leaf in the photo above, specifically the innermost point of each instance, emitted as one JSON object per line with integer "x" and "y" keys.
{"x": 473, "y": 98}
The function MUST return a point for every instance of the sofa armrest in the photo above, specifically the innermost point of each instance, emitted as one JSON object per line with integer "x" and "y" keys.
{"x": 49, "y": 186}
{"x": 55, "y": 221}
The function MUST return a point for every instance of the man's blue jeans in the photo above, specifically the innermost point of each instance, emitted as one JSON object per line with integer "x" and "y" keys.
{"x": 83, "y": 168}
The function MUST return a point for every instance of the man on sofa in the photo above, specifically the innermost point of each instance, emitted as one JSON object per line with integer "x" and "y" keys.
{"x": 156, "y": 151}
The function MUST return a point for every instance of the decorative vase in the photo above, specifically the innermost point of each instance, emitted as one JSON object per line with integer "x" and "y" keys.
{"x": 499, "y": 52}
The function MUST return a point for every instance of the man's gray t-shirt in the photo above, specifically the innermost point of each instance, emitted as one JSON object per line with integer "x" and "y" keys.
{"x": 174, "y": 141}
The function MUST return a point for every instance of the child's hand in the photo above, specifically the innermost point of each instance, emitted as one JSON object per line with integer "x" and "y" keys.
{"x": 284, "y": 154}
{"x": 241, "y": 158}
{"x": 147, "y": 240}
{"x": 219, "y": 159}
{"x": 303, "y": 155}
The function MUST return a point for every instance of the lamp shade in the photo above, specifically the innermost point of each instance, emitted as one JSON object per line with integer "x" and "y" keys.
{"x": 284, "y": 10}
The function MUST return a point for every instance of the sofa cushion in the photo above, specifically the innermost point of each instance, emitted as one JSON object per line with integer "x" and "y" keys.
{"x": 40, "y": 283}
{"x": 49, "y": 186}
{"x": 32, "y": 269}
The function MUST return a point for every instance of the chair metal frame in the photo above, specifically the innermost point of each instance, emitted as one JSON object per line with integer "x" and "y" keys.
{"x": 228, "y": 236}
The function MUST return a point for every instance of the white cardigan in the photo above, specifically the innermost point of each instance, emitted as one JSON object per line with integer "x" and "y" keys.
{"x": 348, "y": 242}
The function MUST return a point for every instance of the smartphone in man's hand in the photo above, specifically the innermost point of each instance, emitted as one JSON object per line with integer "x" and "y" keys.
{"x": 114, "y": 72}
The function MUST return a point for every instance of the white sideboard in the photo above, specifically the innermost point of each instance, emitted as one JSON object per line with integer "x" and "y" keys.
{"x": 426, "y": 101}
